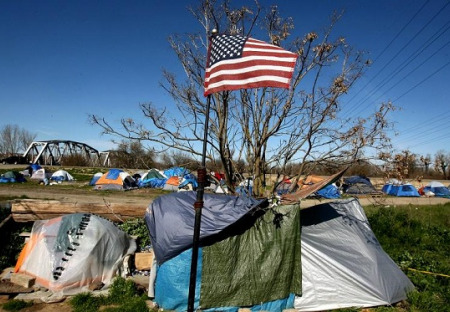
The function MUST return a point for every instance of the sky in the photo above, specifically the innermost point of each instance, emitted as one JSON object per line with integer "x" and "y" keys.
{"x": 61, "y": 61}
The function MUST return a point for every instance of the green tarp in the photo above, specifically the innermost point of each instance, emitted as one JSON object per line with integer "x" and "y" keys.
{"x": 260, "y": 265}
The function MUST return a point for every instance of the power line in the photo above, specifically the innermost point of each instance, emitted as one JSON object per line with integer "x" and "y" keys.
{"x": 422, "y": 81}
{"x": 390, "y": 43}
{"x": 402, "y": 48}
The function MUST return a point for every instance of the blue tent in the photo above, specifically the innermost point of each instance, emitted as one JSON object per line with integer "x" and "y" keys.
{"x": 401, "y": 190}
{"x": 437, "y": 188}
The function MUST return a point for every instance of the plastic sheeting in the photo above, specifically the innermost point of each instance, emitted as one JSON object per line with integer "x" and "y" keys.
{"x": 260, "y": 264}
{"x": 172, "y": 285}
{"x": 69, "y": 253}
{"x": 170, "y": 219}
{"x": 330, "y": 191}
{"x": 343, "y": 264}
{"x": 12, "y": 177}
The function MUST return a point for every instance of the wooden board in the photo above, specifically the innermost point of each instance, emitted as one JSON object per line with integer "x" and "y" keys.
{"x": 26, "y": 210}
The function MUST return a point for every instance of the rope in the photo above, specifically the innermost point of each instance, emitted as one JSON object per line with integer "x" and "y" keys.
{"x": 431, "y": 273}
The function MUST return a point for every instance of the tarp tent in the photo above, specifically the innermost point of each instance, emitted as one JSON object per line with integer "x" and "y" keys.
{"x": 115, "y": 179}
{"x": 342, "y": 263}
{"x": 69, "y": 253}
{"x": 152, "y": 178}
{"x": 400, "y": 190}
{"x": 41, "y": 175}
{"x": 232, "y": 255}
{"x": 436, "y": 188}
{"x": 30, "y": 169}
{"x": 358, "y": 185}
{"x": 61, "y": 175}
{"x": 12, "y": 177}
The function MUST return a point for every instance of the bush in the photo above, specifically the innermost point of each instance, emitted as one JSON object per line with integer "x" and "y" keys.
{"x": 137, "y": 227}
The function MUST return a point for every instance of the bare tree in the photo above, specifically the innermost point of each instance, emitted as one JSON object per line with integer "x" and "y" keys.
{"x": 401, "y": 165}
{"x": 268, "y": 128}
{"x": 14, "y": 139}
{"x": 441, "y": 161}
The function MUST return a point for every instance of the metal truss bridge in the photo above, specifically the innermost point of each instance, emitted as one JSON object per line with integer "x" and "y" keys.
{"x": 53, "y": 153}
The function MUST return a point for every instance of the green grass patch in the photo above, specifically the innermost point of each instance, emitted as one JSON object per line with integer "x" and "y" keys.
{"x": 122, "y": 296}
{"x": 417, "y": 239}
{"x": 16, "y": 305}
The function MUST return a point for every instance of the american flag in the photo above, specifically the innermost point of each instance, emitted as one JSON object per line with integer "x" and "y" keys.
{"x": 237, "y": 62}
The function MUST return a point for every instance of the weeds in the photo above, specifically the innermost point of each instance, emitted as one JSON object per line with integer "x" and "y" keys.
{"x": 417, "y": 238}
{"x": 137, "y": 227}
{"x": 122, "y": 296}
{"x": 16, "y": 305}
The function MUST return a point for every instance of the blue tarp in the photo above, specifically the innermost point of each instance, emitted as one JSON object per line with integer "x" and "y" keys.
{"x": 176, "y": 171}
{"x": 170, "y": 219}
{"x": 152, "y": 182}
{"x": 189, "y": 178}
{"x": 173, "y": 278}
{"x": 12, "y": 177}
{"x": 329, "y": 191}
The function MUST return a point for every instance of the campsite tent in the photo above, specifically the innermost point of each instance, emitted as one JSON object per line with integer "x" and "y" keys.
{"x": 41, "y": 175}
{"x": 358, "y": 185}
{"x": 69, "y": 253}
{"x": 400, "y": 190}
{"x": 342, "y": 263}
{"x": 115, "y": 179}
{"x": 153, "y": 174}
{"x": 31, "y": 169}
{"x": 12, "y": 177}
{"x": 437, "y": 188}
{"x": 61, "y": 175}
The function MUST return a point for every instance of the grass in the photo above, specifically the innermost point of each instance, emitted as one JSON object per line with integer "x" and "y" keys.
{"x": 16, "y": 305}
{"x": 417, "y": 239}
{"x": 123, "y": 296}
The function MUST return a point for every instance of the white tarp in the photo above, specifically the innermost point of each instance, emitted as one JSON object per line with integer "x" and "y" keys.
{"x": 69, "y": 253}
{"x": 343, "y": 264}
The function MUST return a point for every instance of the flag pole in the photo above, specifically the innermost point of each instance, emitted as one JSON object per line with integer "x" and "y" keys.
{"x": 198, "y": 206}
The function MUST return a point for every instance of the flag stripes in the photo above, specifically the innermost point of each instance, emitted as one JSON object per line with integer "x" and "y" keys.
{"x": 259, "y": 65}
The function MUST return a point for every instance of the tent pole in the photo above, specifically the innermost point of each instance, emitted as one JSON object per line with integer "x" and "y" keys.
{"x": 198, "y": 205}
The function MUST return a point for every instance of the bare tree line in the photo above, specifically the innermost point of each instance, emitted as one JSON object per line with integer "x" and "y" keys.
{"x": 14, "y": 139}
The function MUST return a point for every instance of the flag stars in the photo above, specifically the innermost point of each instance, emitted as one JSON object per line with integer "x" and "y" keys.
{"x": 226, "y": 47}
